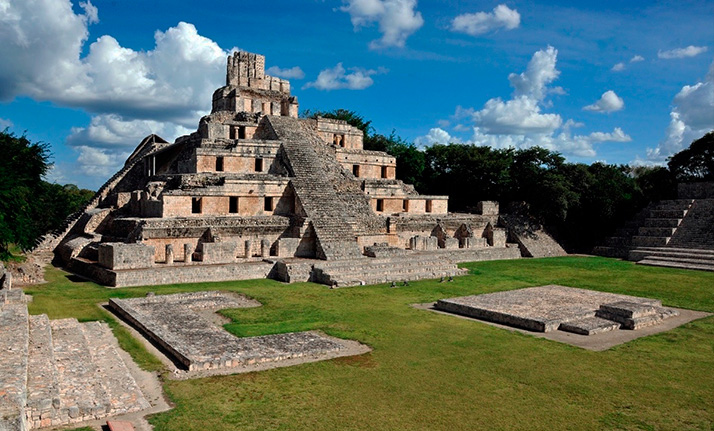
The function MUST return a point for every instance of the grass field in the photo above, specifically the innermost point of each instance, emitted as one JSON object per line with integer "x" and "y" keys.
{"x": 429, "y": 371}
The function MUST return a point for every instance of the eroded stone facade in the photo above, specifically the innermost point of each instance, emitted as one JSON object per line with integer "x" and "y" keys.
{"x": 256, "y": 183}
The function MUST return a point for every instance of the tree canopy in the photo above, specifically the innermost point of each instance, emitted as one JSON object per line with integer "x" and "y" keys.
{"x": 695, "y": 163}
{"x": 30, "y": 206}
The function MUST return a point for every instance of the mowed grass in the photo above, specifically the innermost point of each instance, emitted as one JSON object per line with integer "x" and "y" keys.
{"x": 429, "y": 371}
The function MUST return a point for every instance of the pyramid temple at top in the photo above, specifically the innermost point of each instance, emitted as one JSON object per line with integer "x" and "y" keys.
{"x": 258, "y": 192}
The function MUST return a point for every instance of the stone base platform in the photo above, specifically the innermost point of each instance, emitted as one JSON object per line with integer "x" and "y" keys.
{"x": 408, "y": 265}
{"x": 549, "y": 308}
{"x": 178, "y": 324}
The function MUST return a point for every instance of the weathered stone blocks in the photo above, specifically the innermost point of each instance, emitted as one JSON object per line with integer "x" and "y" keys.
{"x": 174, "y": 323}
{"x": 116, "y": 255}
{"x": 547, "y": 308}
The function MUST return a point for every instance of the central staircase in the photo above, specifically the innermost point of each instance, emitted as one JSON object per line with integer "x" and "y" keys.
{"x": 337, "y": 212}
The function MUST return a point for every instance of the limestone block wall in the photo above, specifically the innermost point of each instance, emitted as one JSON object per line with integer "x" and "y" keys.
{"x": 368, "y": 164}
{"x": 411, "y": 205}
{"x": 234, "y": 164}
{"x": 231, "y": 130}
{"x": 125, "y": 256}
{"x": 339, "y": 133}
{"x": 241, "y": 201}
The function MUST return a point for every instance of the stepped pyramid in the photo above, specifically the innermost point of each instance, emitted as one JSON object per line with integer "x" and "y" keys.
{"x": 59, "y": 372}
{"x": 677, "y": 233}
{"x": 257, "y": 192}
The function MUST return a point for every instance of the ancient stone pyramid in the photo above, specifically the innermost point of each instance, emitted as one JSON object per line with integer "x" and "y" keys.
{"x": 256, "y": 191}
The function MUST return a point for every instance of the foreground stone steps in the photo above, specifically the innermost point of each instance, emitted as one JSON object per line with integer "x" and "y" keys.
{"x": 81, "y": 393}
{"x": 14, "y": 342}
{"x": 123, "y": 391}
{"x": 61, "y": 372}
{"x": 43, "y": 397}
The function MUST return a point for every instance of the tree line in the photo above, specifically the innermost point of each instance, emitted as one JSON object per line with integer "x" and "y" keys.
{"x": 29, "y": 205}
{"x": 579, "y": 204}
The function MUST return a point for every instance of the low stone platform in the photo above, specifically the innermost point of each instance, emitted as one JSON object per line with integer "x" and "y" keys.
{"x": 549, "y": 308}
{"x": 179, "y": 326}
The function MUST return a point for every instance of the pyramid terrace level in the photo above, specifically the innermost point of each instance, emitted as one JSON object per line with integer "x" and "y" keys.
{"x": 256, "y": 191}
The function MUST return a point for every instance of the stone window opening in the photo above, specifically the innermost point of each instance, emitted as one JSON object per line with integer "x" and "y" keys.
{"x": 258, "y": 165}
{"x": 428, "y": 205}
{"x": 380, "y": 205}
{"x": 196, "y": 205}
{"x": 233, "y": 205}
{"x": 219, "y": 164}
{"x": 342, "y": 141}
{"x": 384, "y": 172}
{"x": 268, "y": 204}
{"x": 355, "y": 170}
{"x": 241, "y": 132}
{"x": 232, "y": 132}
{"x": 405, "y": 205}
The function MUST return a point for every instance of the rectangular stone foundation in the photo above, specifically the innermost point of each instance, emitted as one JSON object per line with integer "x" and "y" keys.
{"x": 540, "y": 309}
{"x": 173, "y": 322}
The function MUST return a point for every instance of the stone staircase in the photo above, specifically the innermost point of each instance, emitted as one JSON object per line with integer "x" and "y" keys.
{"x": 59, "y": 372}
{"x": 337, "y": 209}
{"x": 654, "y": 226}
{"x": 49, "y": 241}
{"x": 384, "y": 270}
{"x": 685, "y": 258}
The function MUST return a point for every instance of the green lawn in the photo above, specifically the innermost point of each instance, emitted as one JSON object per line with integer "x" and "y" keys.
{"x": 430, "y": 371}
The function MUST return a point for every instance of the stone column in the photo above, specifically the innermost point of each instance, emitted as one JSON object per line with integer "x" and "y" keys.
{"x": 6, "y": 281}
{"x": 169, "y": 254}
{"x": 248, "y": 249}
{"x": 265, "y": 248}
{"x": 187, "y": 252}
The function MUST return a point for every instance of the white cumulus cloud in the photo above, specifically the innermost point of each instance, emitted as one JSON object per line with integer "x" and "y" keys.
{"x": 637, "y": 58}
{"x": 397, "y": 19}
{"x": 436, "y": 135}
{"x": 521, "y": 122}
{"x": 608, "y": 102}
{"x": 105, "y": 144}
{"x": 291, "y": 73}
{"x": 540, "y": 72}
{"x": 690, "y": 51}
{"x": 5, "y": 123}
{"x": 164, "y": 90}
{"x": 619, "y": 67}
{"x": 521, "y": 115}
{"x": 691, "y": 118}
{"x": 478, "y": 23}
{"x": 337, "y": 78}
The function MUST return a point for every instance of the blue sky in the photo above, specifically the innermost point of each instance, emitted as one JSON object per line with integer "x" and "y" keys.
{"x": 621, "y": 82}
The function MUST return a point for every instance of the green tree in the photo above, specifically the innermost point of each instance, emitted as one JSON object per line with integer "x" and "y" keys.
{"x": 695, "y": 163}
{"x": 29, "y": 206}
{"x": 21, "y": 169}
